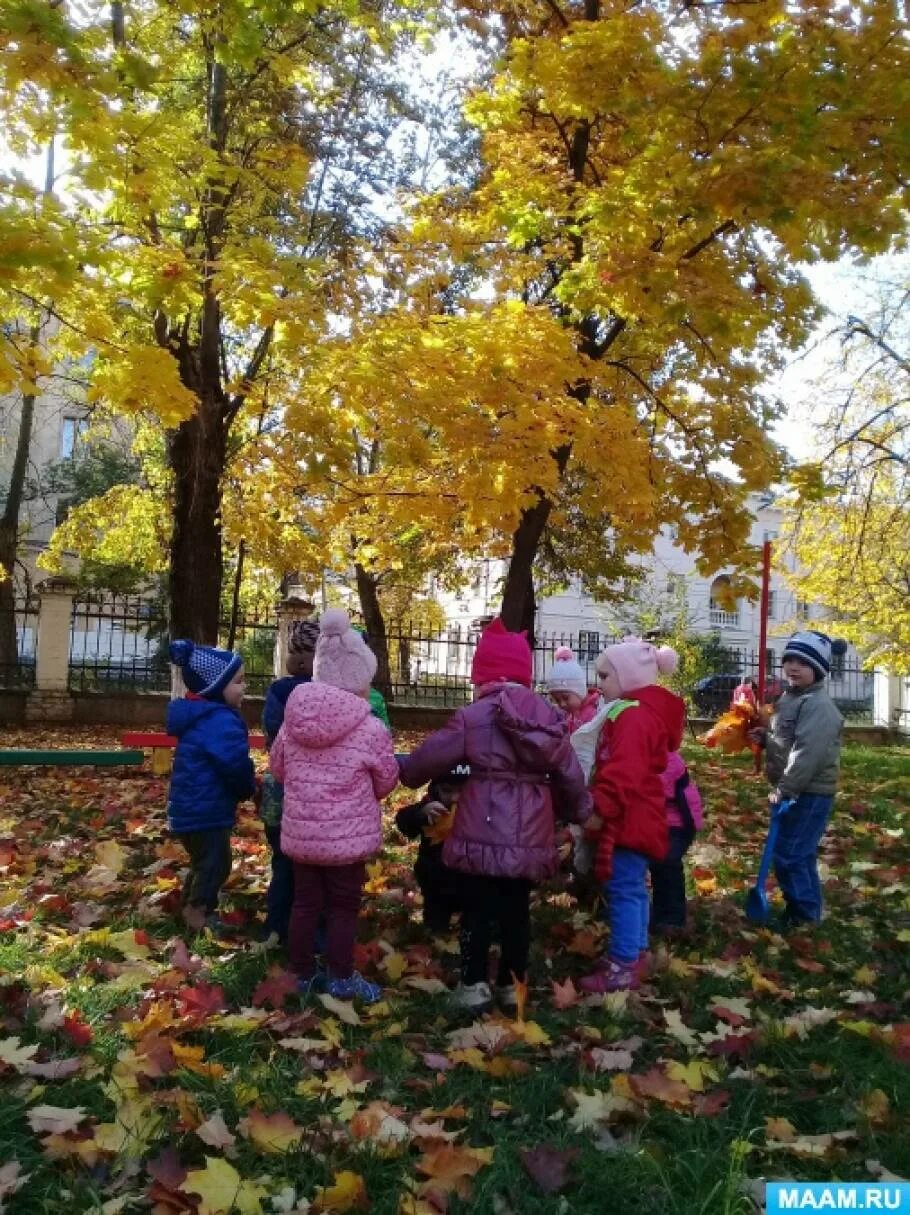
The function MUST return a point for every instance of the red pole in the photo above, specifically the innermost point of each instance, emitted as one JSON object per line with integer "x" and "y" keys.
{"x": 763, "y": 618}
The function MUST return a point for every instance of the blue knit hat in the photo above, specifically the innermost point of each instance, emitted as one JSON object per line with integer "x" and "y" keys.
{"x": 812, "y": 648}
{"x": 206, "y": 671}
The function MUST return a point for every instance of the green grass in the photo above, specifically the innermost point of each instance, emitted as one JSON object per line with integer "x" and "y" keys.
{"x": 849, "y": 1074}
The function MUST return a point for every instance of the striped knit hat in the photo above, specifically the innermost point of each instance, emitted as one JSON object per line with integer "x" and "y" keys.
{"x": 812, "y": 648}
{"x": 206, "y": 671}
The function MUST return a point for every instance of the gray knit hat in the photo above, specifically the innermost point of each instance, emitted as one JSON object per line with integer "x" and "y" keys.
{"x": 302, "y": 636}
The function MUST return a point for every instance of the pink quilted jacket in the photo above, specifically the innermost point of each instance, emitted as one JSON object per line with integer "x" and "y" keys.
{"x": 335, "y": 760}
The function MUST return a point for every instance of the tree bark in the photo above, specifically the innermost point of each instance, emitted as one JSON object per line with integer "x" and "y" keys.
{"x": 197, "y": 455}
{"x": 235, "y": 598}
{"x": 9, "y": 529}
{"x": 377, "y": 638}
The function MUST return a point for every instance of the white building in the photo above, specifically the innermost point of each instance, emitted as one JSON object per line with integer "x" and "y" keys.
{"x": 668, "y": 574}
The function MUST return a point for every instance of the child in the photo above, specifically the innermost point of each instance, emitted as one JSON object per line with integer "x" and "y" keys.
{"x": 302, "y": 635}
{"x": 668, "y": 880}
{"x": 431, "y": 819}
{"x": 335, "y": 760}
{"x": 802, "y": 760}
{"x": 212, "y": 771}
{"x": 644, "y": 724}
{"x": 503, "y": 839}
{"x": 567, "y": 687}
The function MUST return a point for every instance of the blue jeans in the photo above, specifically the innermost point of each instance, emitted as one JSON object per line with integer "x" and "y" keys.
{"x": 627, "y": 898}
{"x": 280, "y": 895}
{"x": 799, "y": 835}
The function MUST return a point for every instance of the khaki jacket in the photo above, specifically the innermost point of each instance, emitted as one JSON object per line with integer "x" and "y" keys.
{"x": 803, "y": 743}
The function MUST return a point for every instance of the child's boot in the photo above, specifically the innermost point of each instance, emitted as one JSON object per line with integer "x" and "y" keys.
{"x": 507, "y": 998}
{"x": 617, "y": 976}
{"x": 355, "y": 987}
{"x": 311, "y": 986}
{"x": 473, "y": 997}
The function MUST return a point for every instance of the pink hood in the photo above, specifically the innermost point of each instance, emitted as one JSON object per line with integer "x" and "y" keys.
{"x": 336, "y": 761}
{"x": 320, "y": 715}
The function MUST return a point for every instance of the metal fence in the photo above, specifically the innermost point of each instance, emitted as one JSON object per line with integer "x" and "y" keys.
{"x": 850, "y": 687}
{"x": 119, "y": 643}
{"x": 18, "y": 670}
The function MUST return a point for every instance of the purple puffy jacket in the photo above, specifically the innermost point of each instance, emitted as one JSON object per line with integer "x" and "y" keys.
{"x": 524, "y": 774}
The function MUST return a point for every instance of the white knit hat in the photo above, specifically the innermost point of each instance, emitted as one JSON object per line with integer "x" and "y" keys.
{"x": 343, "y": 658}
{"x": 566, "y": 674}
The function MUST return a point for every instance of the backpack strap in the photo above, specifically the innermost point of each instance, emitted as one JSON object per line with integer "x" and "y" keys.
{"x": 620, "y": 706}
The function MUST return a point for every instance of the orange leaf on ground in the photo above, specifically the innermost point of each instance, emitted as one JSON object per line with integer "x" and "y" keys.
{"x": 565, "y": 995}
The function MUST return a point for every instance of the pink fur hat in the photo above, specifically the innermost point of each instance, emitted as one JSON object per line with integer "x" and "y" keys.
{"x": 638, "y": 663}
{"x": 343, "y": 658}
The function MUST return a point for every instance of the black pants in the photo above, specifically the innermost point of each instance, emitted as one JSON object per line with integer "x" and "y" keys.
{"x": 668, "y": 882}
{"x": 210, "y": 865}
{"x": 486, "y": 901}
{"x": 440, "y": 887}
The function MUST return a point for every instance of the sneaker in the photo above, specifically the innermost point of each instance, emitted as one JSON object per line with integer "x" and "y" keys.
{"x": 618, "y": 976}
{"x": 355, "y": 987}
{"x": 473, "y": 997}
{"x": 507, "y": 997}
{"x": 309, "y": 987}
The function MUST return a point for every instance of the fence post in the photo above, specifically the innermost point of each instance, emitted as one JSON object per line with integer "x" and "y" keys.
{"x": 886, "y": 699}
{"x": 51, "y": 699}
{"x": 290, "y": 609}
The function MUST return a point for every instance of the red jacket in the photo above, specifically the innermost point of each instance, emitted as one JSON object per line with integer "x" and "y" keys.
{"x": 523, "y": 774}
{"x": 627, "y": 787}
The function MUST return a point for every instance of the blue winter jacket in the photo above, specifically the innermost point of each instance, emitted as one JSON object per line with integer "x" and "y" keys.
{"x": 212, "y": 766}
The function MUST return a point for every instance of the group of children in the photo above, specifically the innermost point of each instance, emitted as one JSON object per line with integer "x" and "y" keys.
{"x": 502, "y": 772}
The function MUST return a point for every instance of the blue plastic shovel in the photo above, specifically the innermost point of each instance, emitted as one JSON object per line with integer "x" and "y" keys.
{"x": 757, "y": 898}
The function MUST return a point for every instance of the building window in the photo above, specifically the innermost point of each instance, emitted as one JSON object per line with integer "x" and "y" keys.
{"x": 676, "y": 584}
{"x": 588, "y": 646}
{"x": 723, "y": 612}
{"x": 838, "y": 663}
{"x": 70, "y": 433}
{"x": 772, "y": 605}
{"x": 61, "y": 510}
{"x": 802, "y": 609}
{"x": 768, "y": 535}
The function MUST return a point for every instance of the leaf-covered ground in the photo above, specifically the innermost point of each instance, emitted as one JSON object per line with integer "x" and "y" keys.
{"x": 142, "y": 1070}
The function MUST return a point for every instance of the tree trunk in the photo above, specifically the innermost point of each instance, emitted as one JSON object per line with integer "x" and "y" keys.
{"x": 9, "y": 531}
{"x": 235, "y": 598}
{"x": 519, "y": 602}
{"x": 197, "y": 455}
{"x": 377, "y": 638}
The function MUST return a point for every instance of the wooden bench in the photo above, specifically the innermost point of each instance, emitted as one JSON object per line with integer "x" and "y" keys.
{"x": 63, "y": 759}
{"x": 162, "y": 745}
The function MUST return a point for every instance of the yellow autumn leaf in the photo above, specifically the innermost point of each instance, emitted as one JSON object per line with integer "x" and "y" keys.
{"x": 346, "y": 1193}
{"x": 271, "y": 1133}
{"x": 221, "y": 1189}
{"x": 394, "y": 964}
{"x": 693, "y": 1074}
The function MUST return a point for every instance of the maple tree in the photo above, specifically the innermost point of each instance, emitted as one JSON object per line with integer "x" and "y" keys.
{"x": 851, "y": 514}
{"x": 226, "y": 168}
{"x": 651, "y": 175}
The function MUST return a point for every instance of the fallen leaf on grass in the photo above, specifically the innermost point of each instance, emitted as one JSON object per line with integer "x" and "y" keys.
{"x": 271, "y": 1133}
{"x": 431, "y": 987}
{"x": 13, "y": 1054}
{"x": 606, "y": 1060}
{"x": 677, "y": 1029}
{"x": 221, "y": 1188}
{"x": 876, "y": 1107}
{"x": 214, "y": 1131}
{"x": 565, "y": 995}
{"x": 812, "y": 1145}
{"x": 11, "y": 1179}
{"x": 692, "y": 1074}
{"x": 346, "y": 1193}
{"x": 548, "y": 1165}
{"x": 275, "y": 988}
{"x": 880, "y": 1173}
{"x": 341, "y": 1008}
{"x": 451, "y": 1167}
{"x": 656, "y": 1084}
{"x": 55, "y": 1119}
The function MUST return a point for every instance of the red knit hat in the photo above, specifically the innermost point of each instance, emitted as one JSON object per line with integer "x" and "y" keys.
{"x": 502, "y": 655}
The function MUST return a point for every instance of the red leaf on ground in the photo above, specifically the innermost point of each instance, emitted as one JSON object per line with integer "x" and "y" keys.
{"x": 275, "y": 988}
{"x": 201, "y": 1000}
{"x": 548, "y": 1165}
{"x": 167, "y": 1170}
{"x": 708, "y": 1105}
{"x": 76, "y": 1029}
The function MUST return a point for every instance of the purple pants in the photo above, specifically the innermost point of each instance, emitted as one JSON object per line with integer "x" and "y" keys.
{"x": 334, "y": 891}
